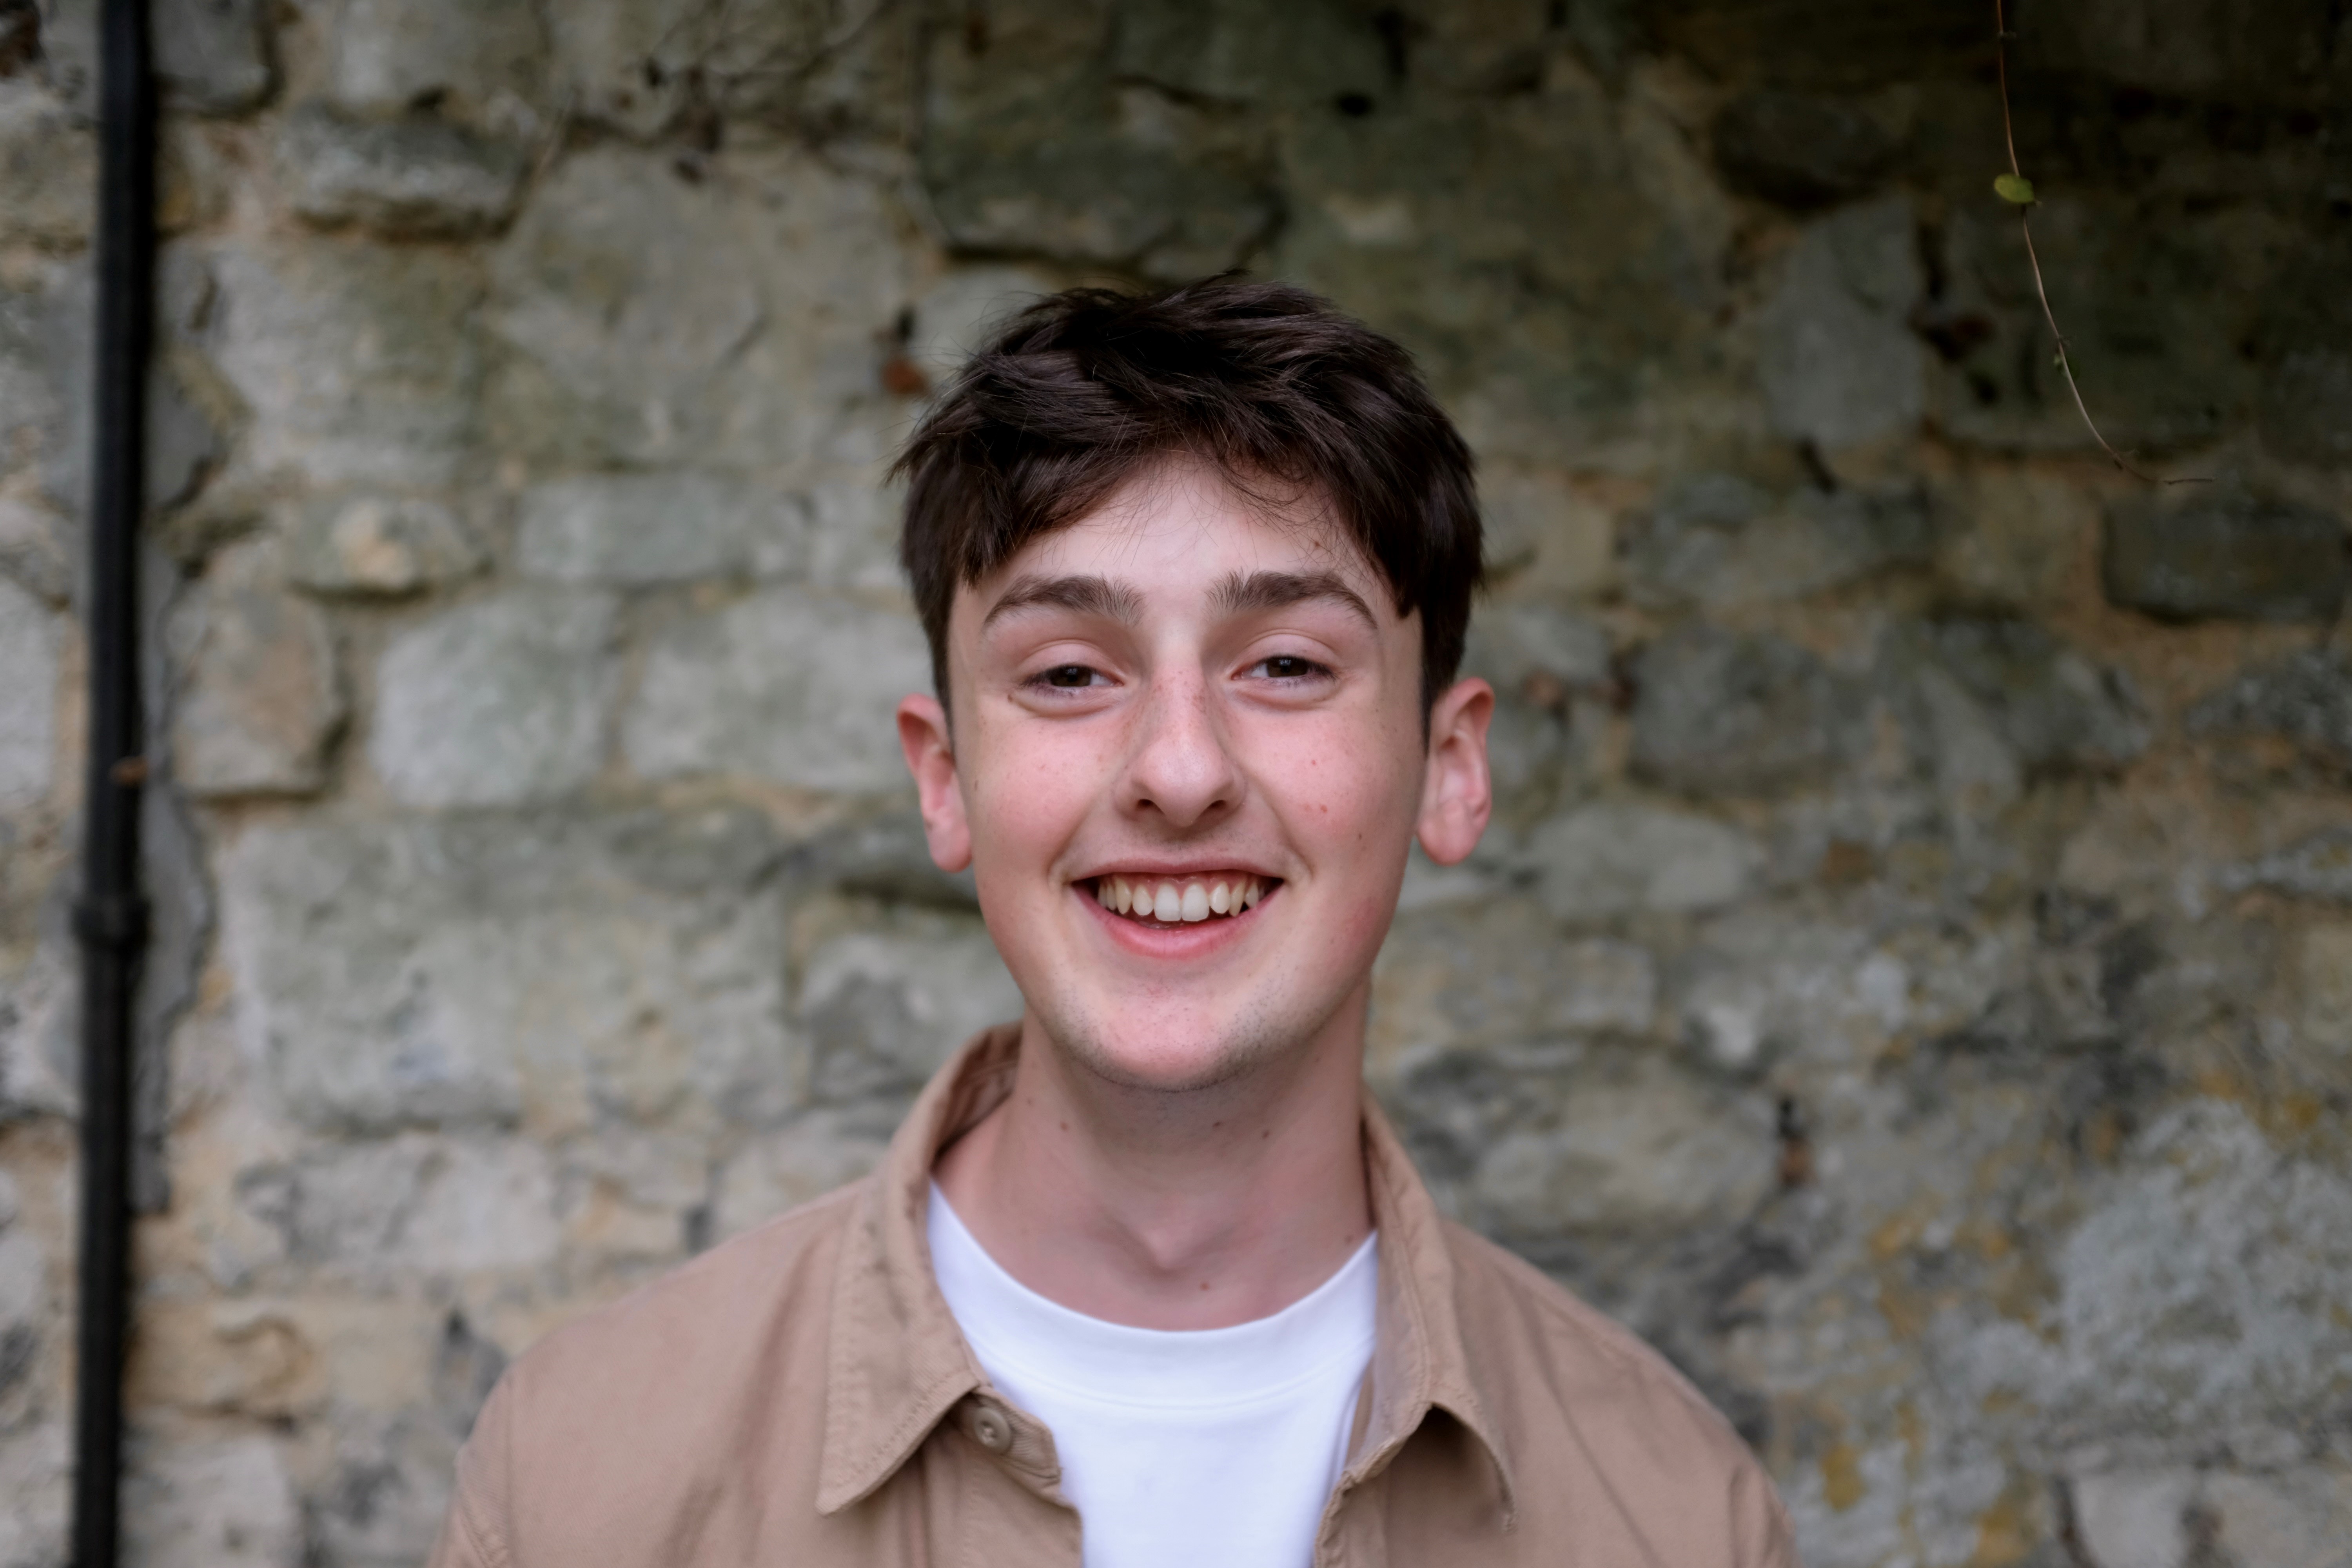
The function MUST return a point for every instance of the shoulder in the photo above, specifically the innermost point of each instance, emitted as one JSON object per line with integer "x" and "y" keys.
{"x": 1572, "y": 1389}
{"x": 608, "y": 1428}
{"x": 739, "y": 1299}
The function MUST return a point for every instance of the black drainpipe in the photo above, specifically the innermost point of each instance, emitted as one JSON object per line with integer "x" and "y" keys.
{"x": 110, "y": 918}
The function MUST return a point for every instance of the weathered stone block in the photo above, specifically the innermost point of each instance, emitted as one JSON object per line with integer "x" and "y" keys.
{"x": 632, "y": 290}
{"x": 416, "y": 1202}
{"x": 783, "y": 685}
{"x": 638, "y": 528}
{"x": 1615, "y": 858}
{"x": 483, "y": 62}
{"x": 2228, "y": 557}
{"x": 218, "y": 1503}
{"x": 411, "y": 176}
{"x": 1838, "y": 362}
{"x": 372, "y": 543}
{"x": 2304, "y": 699}
{"x": 2050, "y": 702}
{"x": 475, "y": 971}
{"x": 1655, "y": 1151}
{"x": 1498, "y": 972}
{"x": 1718, "y": 713}
{"x": 1800, "y": 151}
{"x": 2323, "y": 962}
{"x": 498, "y": 701}
{"x": 2134, "y": 1517}
{"x": 358, "y": 362}
{"x": 48, "y": 169}
{"x": 30, "y": 639}
{"x": 885, "y": 1009}
{"x": 36, "y": 1477}
{"x": 2172, "y": 1311}
{"x": 1716, "y": 539}
{"x": 261, "y": 697}
{"x": 1051, "y": 156}
{"x": 2319, "y": 866}
{"x": 214, "y": 54}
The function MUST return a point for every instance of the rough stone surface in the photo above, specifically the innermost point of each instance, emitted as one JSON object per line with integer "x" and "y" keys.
{"x": 783, "y": 686}
{"x": 485, "y": 972}
{"x": 409, "y": 176}
{"x": 371, "y": 543}
{"x": 2304, "y": 701}
{"x": 639, "y": 529}
{"x": 1613, "y": 859}
{"x": 1838, "y": 361}
{"x": 1718, "y": 713}
{"x": 359, "y": 362}
{"x": 1797, "y": 150}
{"x": 1906, "y": 974}
{"x": 227, "y": 1504}
{"x": 2319, "y": 866}
{"x": 484, "y": 62}
{"x": 496, "y": 702}
{"x": 48, "y": 169}
{"x": 29, "y": 636}
{"x": 2232, "y": 558}
{"x": 1715, "y": 538}
{"x": 263, "y": 698}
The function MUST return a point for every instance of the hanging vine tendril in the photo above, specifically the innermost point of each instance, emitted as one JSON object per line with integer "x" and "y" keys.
{"x": 2018, "y": 191}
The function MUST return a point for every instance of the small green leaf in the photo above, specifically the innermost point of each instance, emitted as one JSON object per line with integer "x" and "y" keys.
{"x": 2014, "y": 188}
{"x": 2058, "y": 360}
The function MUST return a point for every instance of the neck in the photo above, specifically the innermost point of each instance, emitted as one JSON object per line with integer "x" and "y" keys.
{"x": 1159, "y": 1209}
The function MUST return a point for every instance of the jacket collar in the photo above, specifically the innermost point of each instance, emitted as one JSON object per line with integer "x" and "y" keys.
{"x": 897, "y": 1363}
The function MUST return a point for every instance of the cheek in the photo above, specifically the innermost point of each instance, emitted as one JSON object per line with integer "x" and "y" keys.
{"x": 1348, "y": 805}
{"x": 1028, "y": 794}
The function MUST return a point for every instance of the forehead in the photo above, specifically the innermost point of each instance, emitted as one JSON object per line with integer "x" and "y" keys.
{"x": 1179, "y": 530}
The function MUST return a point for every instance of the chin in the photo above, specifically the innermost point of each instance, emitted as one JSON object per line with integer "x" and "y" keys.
{"x": 1187, "y": 1055}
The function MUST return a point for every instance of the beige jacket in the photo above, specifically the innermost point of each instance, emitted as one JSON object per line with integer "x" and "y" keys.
{"x": 801, "y": 1396}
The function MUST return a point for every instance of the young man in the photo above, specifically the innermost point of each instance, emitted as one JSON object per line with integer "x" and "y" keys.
{"x": 1144, "y": 1279}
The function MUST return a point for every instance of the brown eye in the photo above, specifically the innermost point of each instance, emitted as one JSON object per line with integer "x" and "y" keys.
{"x": 1288, "y": 667}
{"x": 1069, "y": 675}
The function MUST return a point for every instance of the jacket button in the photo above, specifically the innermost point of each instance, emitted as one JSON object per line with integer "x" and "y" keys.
{"x": 991, "y": 1428}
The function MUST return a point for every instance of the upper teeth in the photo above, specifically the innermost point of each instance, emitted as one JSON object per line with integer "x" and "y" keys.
{"x": 1167, "y": 899}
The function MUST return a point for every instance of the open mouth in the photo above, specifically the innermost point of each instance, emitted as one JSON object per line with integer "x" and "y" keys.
{"x": 1164, "y": 901}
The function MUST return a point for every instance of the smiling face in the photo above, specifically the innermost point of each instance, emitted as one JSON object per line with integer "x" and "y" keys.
{"x": 1187, "y": 764}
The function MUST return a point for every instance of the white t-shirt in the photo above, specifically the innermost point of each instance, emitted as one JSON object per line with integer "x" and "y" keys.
{"x": 1212, "y": 1445}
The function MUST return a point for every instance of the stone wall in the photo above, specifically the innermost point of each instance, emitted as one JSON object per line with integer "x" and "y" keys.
{"x": 1910, "y": 976}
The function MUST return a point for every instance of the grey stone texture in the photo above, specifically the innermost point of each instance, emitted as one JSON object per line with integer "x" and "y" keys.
{"x": 30, "y": 635}
{"x": 2228, "y": 557}
{"x": 371, "y": 543}
{"x": 782, "y": 685}
{"x": 1839, "y": 362}
{"x": 636, "y": 530}
{"x": 48, "y": 169}
{"x": 263, "y": 698}
{"x": 497, "y": 702}
{"x": 414, "y": 176}
{"x": 1909, "y": 974}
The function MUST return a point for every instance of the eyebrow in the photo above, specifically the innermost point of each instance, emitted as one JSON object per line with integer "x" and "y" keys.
{"x": 1086, "y": 596}
{"x": 1242, "y": 593}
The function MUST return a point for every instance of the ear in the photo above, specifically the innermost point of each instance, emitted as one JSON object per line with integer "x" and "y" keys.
{"x": 1457, "y": 792}
{"x": 923, "y": 736}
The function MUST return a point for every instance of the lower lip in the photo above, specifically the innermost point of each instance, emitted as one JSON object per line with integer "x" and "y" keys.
{"x": 1195, "y": 939}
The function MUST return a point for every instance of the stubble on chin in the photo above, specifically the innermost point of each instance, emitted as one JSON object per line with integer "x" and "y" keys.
{"x": 1258, "y": 1040}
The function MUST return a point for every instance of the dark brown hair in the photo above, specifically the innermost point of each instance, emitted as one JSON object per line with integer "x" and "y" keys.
{"x": 1084, "y": 389}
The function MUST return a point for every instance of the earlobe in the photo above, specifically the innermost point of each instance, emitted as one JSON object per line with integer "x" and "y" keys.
{"x": 930, "y": 757}
{"x": 1457, "y": 792}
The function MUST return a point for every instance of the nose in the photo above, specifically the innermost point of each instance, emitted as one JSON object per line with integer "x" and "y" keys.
{"x": 1180, "y": 768}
